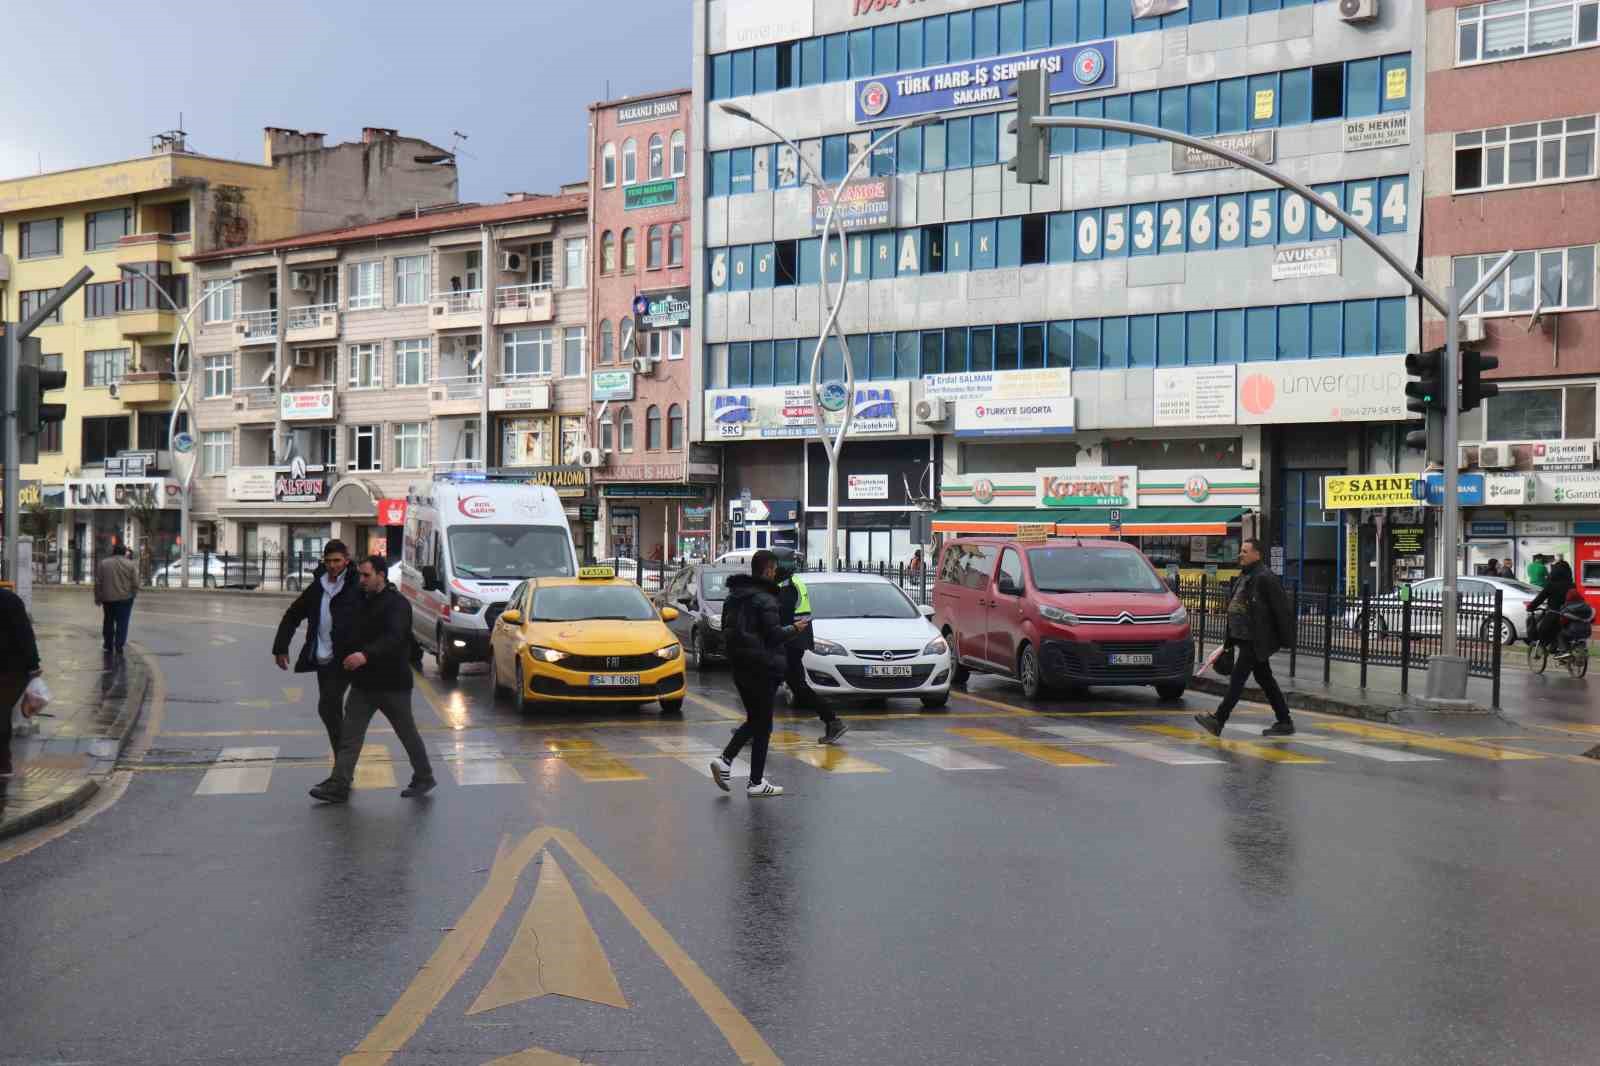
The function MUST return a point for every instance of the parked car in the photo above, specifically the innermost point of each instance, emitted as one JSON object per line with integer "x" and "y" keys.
{"x": 1474, "y": 612}
{"x": 210, "y": 571}
{"x": 871, "y": 641}
{"x": 697, "y": 594}
{"x": 787, "y": 557}
{"x": 1061, "y": 614}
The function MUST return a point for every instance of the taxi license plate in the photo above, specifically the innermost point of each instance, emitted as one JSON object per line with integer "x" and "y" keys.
{"x": 888, "y": 671}
{"x": 1126, "y": 658}
{"x": 614, "y": 680}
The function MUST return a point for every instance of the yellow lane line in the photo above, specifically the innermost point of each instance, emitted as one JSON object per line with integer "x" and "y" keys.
{"x": 1238, "y": 747}
{"x": 1429, "y": 743}
{"x": 1045, "y": 753}
{"x": 834, "y": 760}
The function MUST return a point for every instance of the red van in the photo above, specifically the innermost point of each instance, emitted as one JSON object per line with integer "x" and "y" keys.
{"x": 1061, "y": 613}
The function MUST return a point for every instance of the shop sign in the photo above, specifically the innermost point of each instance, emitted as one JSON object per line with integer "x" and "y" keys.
{"x": 1488, "y": 529}
{"x": 1306, "y": 261}
{"x": 301, "y": 483}
{"x": 1275, "y": 560}
{"x": 640, "y": 472}
{"x": 1199, "y": 488}
{"x": 695, "y": 518}
{"x": 1014, "y": 418}
{"x": 744, "y": 414}
{"x": 1530, "y": 528}
{"x": 1577, "y": 487}
{"x": 647, "y": 110}
{"x": 1352, "y": 558}
{"x": 1257, "y": 144}
{"x": 1346, "y": 492}
{"x": 588, "y": 512}
{"x": 1469, "y": 490}
{"x": 999, "y": 384}
{"x": 611, "y": 385}
{"x": 1563, "y": 454}
{"x": 990, "y": 490}
{"x": 251, "y": 484}
{"x": 30, "y": 494}
{"x": 1408, "y": 540}
{"x": 306, "y": 405}
{"x": 867, "y": 486}
{"x": 1507, "y": 490}
{"x": 1194, "y": 396}
{"x": 566, "y": 480}
{"x": 1074, "y": 69}
{"x": 520, "y": 398}
{"x": 751, "y": 23}
{"x": 663, "y": 193}
{"x": 1366, "y": 389}
{"x": 1380, "y": 131}
{"x": 392, "y": 512}
{"x": 117, "y": 494}
{"x": 867, "y": 203}
{"x": 662, "y": 310}
{"x": 1082, "y": 486}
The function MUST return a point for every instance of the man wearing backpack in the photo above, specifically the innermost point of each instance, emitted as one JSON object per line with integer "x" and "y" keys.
{"x": 1259, "y": 624}
{"x": 755, "y": 640}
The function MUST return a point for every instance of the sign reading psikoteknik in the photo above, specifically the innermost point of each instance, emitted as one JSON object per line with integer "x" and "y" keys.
{"x": 1078, "y": 68}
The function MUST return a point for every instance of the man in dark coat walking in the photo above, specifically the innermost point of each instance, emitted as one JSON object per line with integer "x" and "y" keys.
{"x": 1259, "y": 623}
{"x": 328, "y": 607}
{"x": 755, "y": 640}
{"x": 19, "y": 664}
{"x": 794, "y": 603}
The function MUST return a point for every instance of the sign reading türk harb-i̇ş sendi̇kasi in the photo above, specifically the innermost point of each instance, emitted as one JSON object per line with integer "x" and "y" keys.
{"x": 1078, "y": 68}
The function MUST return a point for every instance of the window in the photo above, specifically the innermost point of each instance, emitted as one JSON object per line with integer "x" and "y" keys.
{"x": 140, "y": 292}
{"x": 219, "y": 302}
{"x": 179, "y": 217}
{"x": 608, "y": 253}
{"x": 366, "y": 366}
{"x": 526, "y": 442}
{"x": 630, "y": 161}
{"x": 541, "y": 259}
{"x": 411, "y": 362}
{"x": 50, "y": 438}
{"x": 527, "y": 352}
{"x": 628, "y": 263}
{"x": 101, "y": 368}
{"x": 1524, "y": 414}
{"x": 680, "y": 154}
{"x": 410, "y": 446}
{"x": 30, "y": 300}
{"x": 577, "y": 266}
{"x": 652, "y": 428}
{"x": 607, "y": 432}
{"x": 216, "y": 452}
{"x": 366, "y": 451}
{"x": 675, "y": 245}
{"x": 218, "y": 376}
{"x": 366, "y": 285}
{"x": 608, "y": 342}
{"x": 657, "y": 157}
{"x": 675, "y": 428}
{"x": 411, "y": 280}
{"x": 1487, "y": 33}
{"x": 654, "y": 341}
{"x": 652, "y": 248}
{"x": 1529, "y": 154}
{"x": 625, "y": 429}
{"x": 608, "y": 165}
{"x": 675, "y": 344}
{"x": 101, "y": 298}
{"x": 104, "y": 437}
{"x": 574, "y": 339}
{"x": 41, "y": 239}
{"x": 1557, "y": 279}
{"x": 103, "y": 229}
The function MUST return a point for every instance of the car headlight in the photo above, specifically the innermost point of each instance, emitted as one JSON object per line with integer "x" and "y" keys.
{"x": 549, "y": 655}
{"x": 714, "y": 621}
{"x": 1179, "y": 617}
{"x": 829, "y": 647}
{"x": 465, "y": 604}
{"x": 936, "y": 646}
{"x": 1056, "y": 614}
{"x": 670, "y": 652}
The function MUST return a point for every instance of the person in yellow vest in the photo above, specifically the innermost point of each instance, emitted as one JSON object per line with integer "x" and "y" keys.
{"x": 794, "y": 602}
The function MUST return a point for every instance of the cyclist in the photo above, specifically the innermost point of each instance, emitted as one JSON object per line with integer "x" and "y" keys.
{"x": 1576, "y": 621}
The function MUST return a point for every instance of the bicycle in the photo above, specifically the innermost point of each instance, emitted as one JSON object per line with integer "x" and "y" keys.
{"x": 1576, "y": 657}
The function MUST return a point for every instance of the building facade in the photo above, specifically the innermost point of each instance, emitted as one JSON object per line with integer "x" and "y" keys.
{"x": 657, "y": 490}
{"x": 1152, "y": 344}
{"x": 1511, "y": 166}
{"x": 103, "y": 473}
{"x": 337, "y": 368}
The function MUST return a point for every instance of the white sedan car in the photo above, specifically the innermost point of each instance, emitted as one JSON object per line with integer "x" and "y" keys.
{"x": 871, "y": 641}
{"x": 1473, "y": 619}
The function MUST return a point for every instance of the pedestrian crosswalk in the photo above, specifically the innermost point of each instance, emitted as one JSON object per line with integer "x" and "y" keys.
{"x": 527, "y": 759}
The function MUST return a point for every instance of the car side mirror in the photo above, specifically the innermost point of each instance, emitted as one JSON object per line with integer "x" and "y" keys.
{"x": 512, "y": 617}
{"x": 926, "y": 610}
{"x": 430, "y": 579}
{"x": 669, "y": 614}
{"x": 1006, "y": 587}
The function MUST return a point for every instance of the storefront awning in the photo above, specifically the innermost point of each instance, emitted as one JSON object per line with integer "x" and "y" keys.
{"x": 1093, "y": 521}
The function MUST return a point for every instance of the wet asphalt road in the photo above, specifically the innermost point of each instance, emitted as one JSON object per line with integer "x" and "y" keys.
{"x": 1069, "y": 882}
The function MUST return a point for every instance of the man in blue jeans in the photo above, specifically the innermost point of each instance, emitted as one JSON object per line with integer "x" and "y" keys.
{"x": 116, "y": 583}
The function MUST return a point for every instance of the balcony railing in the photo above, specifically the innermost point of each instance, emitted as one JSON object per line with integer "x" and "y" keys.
{"x": 533, "y": 377}
{"x": 463, "y": 302}
{"x": 464, "y": 387}
{"x": 259, "y": 325}
{"x": 258, "y": 397}
{"x": 309, "y": 316}
{"x": 519, "y": 295}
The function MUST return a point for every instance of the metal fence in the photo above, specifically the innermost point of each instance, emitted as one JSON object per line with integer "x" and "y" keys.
{"x": 266, "y": 571}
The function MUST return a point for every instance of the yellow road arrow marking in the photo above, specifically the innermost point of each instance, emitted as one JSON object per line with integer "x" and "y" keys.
{"x": 536, "y": 1057}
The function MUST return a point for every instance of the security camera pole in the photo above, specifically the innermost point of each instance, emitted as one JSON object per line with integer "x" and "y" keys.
{"x": 1447, "y": 672}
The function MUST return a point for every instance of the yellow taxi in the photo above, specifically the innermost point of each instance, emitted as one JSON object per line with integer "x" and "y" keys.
{"x": 587, "y": 639}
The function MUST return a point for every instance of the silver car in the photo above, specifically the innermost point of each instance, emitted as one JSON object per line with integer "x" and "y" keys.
{"x": 1475, "y": 614}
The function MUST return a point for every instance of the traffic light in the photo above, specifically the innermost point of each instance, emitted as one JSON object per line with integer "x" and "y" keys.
{"x": 33, "y": 414}
{"x": 1032, "y": 164}
{"x": 1426, "y": 393}
{"x": 1473, "y": 389}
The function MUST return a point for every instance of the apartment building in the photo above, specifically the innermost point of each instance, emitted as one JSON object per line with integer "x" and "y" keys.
{"x": 1152, "y": 333}
{"x": 336, "y": 368}
{"x": 1513, "y": 95}
{"x": 657, "y": 489}
{"x": 134, "y": 223}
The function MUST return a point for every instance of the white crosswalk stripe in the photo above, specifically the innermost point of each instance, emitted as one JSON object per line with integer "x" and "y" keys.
{"x": 472, "y": 763}
{"x": 238, "y": 771}
{"x": 943, "y": 758}
{"x": 696, "y": 754}
{"x": 1355, "y": 747}
{"x": 1140, "y": 749}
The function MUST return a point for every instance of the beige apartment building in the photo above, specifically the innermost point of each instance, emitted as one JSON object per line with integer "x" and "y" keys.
{"x": 335, "y": 369}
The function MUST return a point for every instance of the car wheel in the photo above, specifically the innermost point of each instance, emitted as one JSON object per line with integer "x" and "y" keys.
{"x": 1028, "y": 673}
{"x": 1170, "y": 692}
{"x": 449, "y": 665}
{"x": 519, "y": 698}
{"x": 697, "y": 650}
{"x": 933, "y": 703}
{"x": 959, "y": 675}
{"x": 1508, "y": 632}
{"x": 672, "y": 706}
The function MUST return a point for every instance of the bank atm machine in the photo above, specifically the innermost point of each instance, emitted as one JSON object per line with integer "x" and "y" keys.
{"x": 760, "y": 524}
{"x": 1586, "y": 567}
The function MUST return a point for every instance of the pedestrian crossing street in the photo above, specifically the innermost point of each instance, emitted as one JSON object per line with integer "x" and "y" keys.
{"x": 644, "y": 756}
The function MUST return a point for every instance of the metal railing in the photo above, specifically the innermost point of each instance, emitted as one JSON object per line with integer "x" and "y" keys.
{"x": 461, "y": 387}
{"x": 258, "y": 397}
{"x": 308, "y": 316}
{"x": 461, "y": 301}
{"x": 519, "y": 296}
{"x": 259, "y": 324}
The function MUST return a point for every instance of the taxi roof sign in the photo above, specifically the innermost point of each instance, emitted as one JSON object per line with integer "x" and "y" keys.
{"x": 591, "y": 573}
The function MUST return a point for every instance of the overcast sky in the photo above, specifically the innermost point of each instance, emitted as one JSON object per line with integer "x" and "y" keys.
{"x": 89, "y": 84}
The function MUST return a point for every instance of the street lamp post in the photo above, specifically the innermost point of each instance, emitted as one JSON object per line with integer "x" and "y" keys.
{"x": 834, "y": 445}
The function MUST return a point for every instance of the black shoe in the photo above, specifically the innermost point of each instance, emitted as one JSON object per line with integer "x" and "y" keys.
{"x": 834, "y": 730}
{"x": 419, "y": 787}
{"x": 1210, "y": 723}
{"x": 330, "y": 792}
{"x": 1279, "y": 729}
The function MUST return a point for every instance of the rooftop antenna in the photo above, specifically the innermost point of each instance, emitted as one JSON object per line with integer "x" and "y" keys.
{"x": 456, "y": 137}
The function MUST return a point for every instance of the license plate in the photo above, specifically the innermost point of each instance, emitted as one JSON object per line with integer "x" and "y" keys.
{"x": 1127, "y": 658}
{"x": 888, "y": 671}
{"x": 613, "y": 680}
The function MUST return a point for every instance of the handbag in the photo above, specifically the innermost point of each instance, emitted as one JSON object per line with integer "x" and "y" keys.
{"x": 1220, "y": 660}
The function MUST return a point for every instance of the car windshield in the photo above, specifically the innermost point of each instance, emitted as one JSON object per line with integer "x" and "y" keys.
{"x": 1080, "y": 569}
{"x": 714, "y": 584}
{"x": 859, "y": 599}
{"x": 510, "y": 552}
{"x": 579, "y": 603}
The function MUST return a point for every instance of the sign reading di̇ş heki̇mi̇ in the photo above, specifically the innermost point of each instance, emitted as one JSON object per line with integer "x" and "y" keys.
{"x": 738, "y": 414}
{"x": 1074, "y": 69}
{"x": 1014, "y": 418}
{"x": 1077, "y": 486}
{"x": 867, "y": 203}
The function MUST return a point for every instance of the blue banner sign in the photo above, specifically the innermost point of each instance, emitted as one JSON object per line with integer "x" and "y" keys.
{"x": 1469, "y": 490}
{"x": 1078, "y": 68}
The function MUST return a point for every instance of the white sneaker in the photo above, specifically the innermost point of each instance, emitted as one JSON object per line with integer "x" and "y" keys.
{"x": 764, "y": 788}
{"x": 721, "y": 770}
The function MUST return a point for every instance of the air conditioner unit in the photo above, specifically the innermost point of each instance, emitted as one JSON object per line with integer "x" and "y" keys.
{"x": 592, "y": 458}
{"x": 1496, "y": 457}
{"x": 932, "y": 411}
{"x": 302, "y": 281}
{"x": 115, "y": 389}
{"x": 1463, "y": 457}
{"x": 1472, "y": 328}
{"x": 305, "y": 358}
{"x": 511, "y": 261}
{"x": 1358, "y": 10}
{"x": 644, "y": 366}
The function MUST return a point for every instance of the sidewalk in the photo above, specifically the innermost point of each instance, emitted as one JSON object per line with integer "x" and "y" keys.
{"x": 96, "y": 702}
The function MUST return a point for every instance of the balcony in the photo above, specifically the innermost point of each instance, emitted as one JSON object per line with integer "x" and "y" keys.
{"x": 143, "y": 388}
{"x": 256, "y": 403}
{"x": 146, "y": 322}
{"x": 456, "y": 395}
{"x": 312, "y": 322}
{"x": 256, "y": 327}
{"x": 516, "y": 305}
{"x": 142, "y": 249}
{"x": 457, "y": 310}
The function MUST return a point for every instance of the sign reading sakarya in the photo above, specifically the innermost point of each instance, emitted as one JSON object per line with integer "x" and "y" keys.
{"x": 1077, "y": 68}
{"x": 1347, "y": 492}
{"x": 739, "y": 414}
{"x": 999, "y": 384}
{"x": 1014, "y": 418}
{"x": 1365, "y": 389}
{"x": 1194, "y": 396}
{"x": 1080, "y": 486}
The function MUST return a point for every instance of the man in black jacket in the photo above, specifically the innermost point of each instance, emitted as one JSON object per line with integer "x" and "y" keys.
{"x": 794, "y": 602}
{"x": 328, "y": 607}
{"x": 1259, "y": 624}
{"x": 755, "y": 640}
{"x": 379, "y": 665}
{"x": 19, "y": 664}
